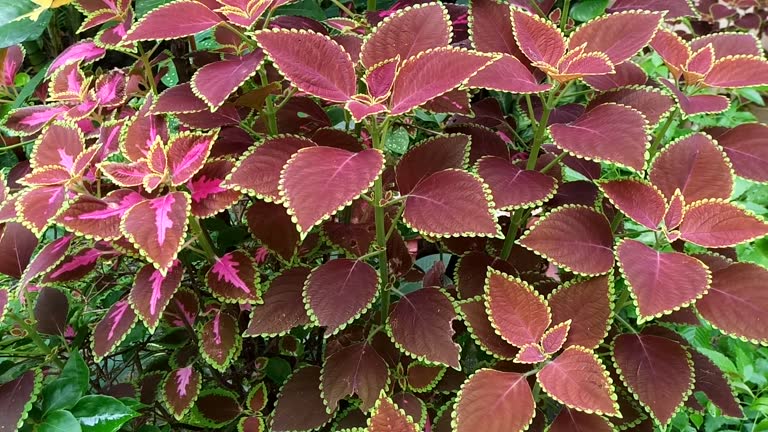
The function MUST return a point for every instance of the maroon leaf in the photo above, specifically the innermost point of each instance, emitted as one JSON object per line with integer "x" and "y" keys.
{"x": 656, "y": 370}
{"x": 112, "y": 329}
{"x": 507, "y": 74}
{"x": 283, "y": 306}
{"x": 183, "y": 309}
{"x": 618, "y": 35}
{"x": 639, "y": 200}
{"x": 661, "y": 282}
{"x": 388, "y": 417}
{"x": 258, "y": 397}
{"x": 673, "y": 8}
{"x": 430, "y": 156}
{"x": 450, "y": 203}
{"x": 217, "y": 406}
{"x": 555, "y": 337}
{"x": 538, "y": 39}
{"x": 747, "y": 149}
{"x": 738, "y": 71}
{"x": 574, "y": 237}
{"x": 272, "y": 225}
{"x": 178, "y": 99}
{"x": 735, "y": 296}
{"x": 472, "y": 270}
{"x": 698, "y": 104}
{"x": 99, "y": 218}
{"x": 214, "y": 82}
{"x": 251, "y": 424}
{"x": 494, "y": 401}
{"x": 422, "y": 377}
{"x": 187, "y": 153}
{"x": 141, "y": 131}
{"x": 313, "y": 62}
{"x": 456, "y": 101}
{"x": 233, "y": 279}
{"x": 592, "y": 136}
{"x": 220, "y": 340}
{"x": 354, "y": 369}
{"x": 17, "y": 397}
{"x": 484, "y": 141}
{"x": 516, "y": 311}
{"x": 154, "y": 25}
{"x": 651, "y": 102}
{"x": 300, "y": 405}
{"x": 588, "y": 306}
{"x": 180, "y": 390}
{"x": 578, "y": 380}
{"x": 3, "y": 302}
{"x": 208, "y": 195}
{"x": 17, "y": 244}
{"x": 571, "y": 420}
{"x": 339, "y": 291}
{"x": 51, "y": 309}
{"x": 476, "y": 319}
{"x": 513, "y": 187}
{"x": 48, "y": 257}
{"x": 530, "y": 354}
{"x": 157, "y": 227}
{"x": 490, "y": 30}
{"x": 380, "y": 77}
{"x": 38, "y": 206}
{"x": 624, "y": 74}
{"x": 716, "y": 223}
{"x": 712, "y": 382}
{"x": 319, "y": 181}
{"x": 152, "y": 291}
{"x": 407, "y": 33}
{"x": 421, "y": 325}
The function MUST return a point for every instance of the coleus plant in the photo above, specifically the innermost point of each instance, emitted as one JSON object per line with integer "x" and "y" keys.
{"x": 269, "y": 228}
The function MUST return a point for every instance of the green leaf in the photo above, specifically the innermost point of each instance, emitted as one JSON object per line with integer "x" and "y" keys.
{"x": 98, "y": 413}
{"x": 397, "y": 141}
{"x": 305, "y": 8}
{"x": 751, "y": 95}
{"x": 14, "y": 30}
{"x": 143, "y": 7}
{"x": 277, "y": 369}
{"x": 59, "y": 421}
{"x": 76, "y": 370}
{"x": 30, "y": 87}
{"x": 66, "y": 390}
{"x": 588, "y": 9}
{"x": 720, "y": 360}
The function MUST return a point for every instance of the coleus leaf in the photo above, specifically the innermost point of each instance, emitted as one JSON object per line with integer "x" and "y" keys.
{"x": 673, "y": 8}
{"x": 75, "y": 266}
{"x": 422, "y": 377}
{"x": 697, "y": 104}
{"x": 592, "y": 136}
{"x": 354, "y": 369}
{"x": 513, "y": 187}
{"x": 220, "y": 340}
{"x": 494, "y": 401}
{"x": 578, "y": 379}
{"x": 339, "y": 291}
{"x": 300, "y": 405}
{"x": 554, "y": 338}
{"x": 258, "y": 398}
{"x": 112, "y": 329}
{"x": 661, "y": 282}
{"x": 389, "y": 417}
{"x": 456, "y": 101}
{"x": 180, "y": 390}
{"x": 507, "y": 74}
{"x": 50, "y": 311}
{"x": 233, "y": 278}
{"x": 157, "y": 227}
{"x": 717, "y": 223}
{"x": 530, "y": 354}
{"x": 28, "y": 120}
{"x": 420, "y": 324}
{"x": 154, "y": 25}
{"x": 17, "y": 244}
{"x": 251, "y": 424}
{"x": 588, "y": 305}
{"x": 451, "y": 203}
{"x": 430, "y": 156}
{"x": 311, "y": 61}
{"x": 538, "y": 38}
{"x": 319, "y": 181}
{"x": 152, "y": 291}
{"x": 574, "y": 237}
{"x": 187, "y": 153}
{"x": 728, "y": 44}
{"x": 746, "y": 148}
{"x": 571, "y": 420}
{"x": 619, "y": 35}
{"x": 59, "y": 145}
{"x": 98, "y": 218}
{"x": 476, "y": 319}
{"x": 17, "y": 397}
{"x": 216, "y": 407}
{"x": 656, "y": 370}
{"x": 712, "y": 382}
{"x": 651, "y": 102}
{"x": 380, "y": 77}
{"x": 516, "y": 311}
{"x": 736, "y": 294}
{"x": 141, "y": 131}
{"x": 48, "y": 257}
{"x": 215, "y": 81}
{"x": 484, "y": 141}
{"x": 624, "y": 74}
{"x": 639, "y": 200}
{"x": 271, "y": 224}
{"x": 183, "y": 309}
{"x": 11, "y": 60}
{"x": 738, "y": 71}
{"x": 283, "y": 306}
{"x": 38, "y": 206}
{"x": 209, "y": 197}
{"x": 178, "y": 99}
{"x": 472, "y": 270}
{"x": 4, "y": 297}
{"x": 490, "y": 29}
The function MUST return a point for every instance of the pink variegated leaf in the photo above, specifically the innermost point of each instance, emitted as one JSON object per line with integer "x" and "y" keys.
{"x": 183, "y": 309}
{"x": 258, "y": 171}
{"x": 271, "y": 225}
{"x": 356, "y": 369}
{"x": 283, "y": 307}
{"x": 697, "y": 104}
{"x": 232, "y": 278}
{"x": 624, "y": 74}
{"x": 115, "y": 37}
{"x": 433, "y": 73}
{"x": 84, "y": 52}
{"x": 180, "y": 390}
{"x": 28, "y": 120}
{"x": 214, "y": 82}
{"x": 380, "y": 77}
{"x": 554, "y": 338}
{"x": 157, "y": 227}
{"x": 716, "y": 224}
{"x": 219, "y": 341}
{"x": 362, "y": 109}
{"x": 46, "y": 176}
{"x": 673, "y": 8}
{"x": 141, "y": 131}
{"x": 575, "y": 237}
{"x": 58, "y": 146}
{"x": 197, "y": 17}
{"x": 517, "y": 312}
{"x": 661, "y": 282}
{"x": 208, "y": 195}
{"x": 97, "y": 18}
{"x": 530, "y": 354}
{"x": 112, "y": 329}
{"x": 74, "y": 266}
{"x": 11, "y": 59}
{"x": 593, "y": 136}
{"x": 641, "y": 201}
{"x": 187, "y": 153}
{"x": 494, "y": 401}
{"x": 110, "y": 89}
{"x": 319, "y": 181}
{"x": 397, "y": 35}
{"x": 649, "y": 101}
{"x": 38, "y": 207}
{"x": 126, "y": 174}
{"x": 98, "y": 218}
{"x": 507, "y": 74}
{"x": 540, "y": 40}
{"x": 68, "y": 84}
{"x": 152, "y": 291}
{"x": 243, "y": 13}
{"x": 428, "y": 157}
{"x": 737, "y": 72}
{"x": 619, "y": 35}
{"x": 17, "y": 243}
{"x": 178, "y": 99}
{"x": 747, "y": 148}
{"x": 312, "y": 62}
{"x": 46, "y": 259}
{"x": 513, "y": 187}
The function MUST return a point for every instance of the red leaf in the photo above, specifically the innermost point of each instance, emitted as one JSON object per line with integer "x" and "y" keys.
{"x": 59, "y": 145}
{"x": 319, "y": 181}
{"x": 738, "y": 71}
{"x": 712, "y": 382}
{"x": 575, "y": 237}
{"x": 507, "y": 74}
{"x": 494, "y": 401}
{"x": 141, "y": 131}
{"x": 517, "y": 312}
{"x": 283, "y": 306}
{"x": 37, "y": 207}
{"x": 696, "y": 166}
{"x": 157, "y": 227}
{"x": 354, "y": 369}
{"x": 513, "y": 187}
{"x": 661, "y": 282}
{"x": 716, "y": 223}
{"x": 422, "y": 377}
{"x": 430, "y": 156}
{"x": 300, "y": 405}
{"x": 112, "y": 329}
{"x": 17, "y": 397}
{"x": 187, "y": 153}
{"x": 406, "y": 33}
{"x": 675, "y": 211}
{"x": 271, "y": 225}
{"x": 154, "y": 25}
{"x": 476, "y": 319}
{"x": 178, "y": 99}
{"x": 571, "y": 420}
{"x": 538, "y": 38}
{"x": 220, "y": 340}
{"x": 17, "y": 244}
{"x": 433, "y": 73}
{"x": 472, "y": 270}
{"x": 555, "y": 337}
{"x": 152, "y": 291}
{"x": 577, "y": 379}
{"x": 183, "y": 309}
{"x": 48, "y": 257}
{"x": 180, "y": 390}
{"x": 313, "y": 62}
{"x": 215, "y": 81}
{"x": 639, "y": 200}
{"x": 729, "y": 44}
{"x": 618, "y": 35}
{"x": 747, "y": 148}
{"x": 658, "y": 371}
{"x": 233, "y": 279}
{"x": 624, "y": 74}
{"x": 208, "y": 195}
{"x": 736, "y": 300}
{"x": 673, "y": 8}
{"x": 490, "y": 29}
{"x": 388, "y": 417}
{"x": 592, "y": 136}
{"x": 258, "y": 397}
{"x": 99, "y": 218}
{"x": 380, "y": 77}
{"x": 450, "y": 203}
{"x": 651, "y": 102}
{"x": 698, "y": 104}
{"x": 421, "y": 325}
{"x": 530, "y": 354}
{"x": 339, "y": 291}
{"x": 484, "y": 141}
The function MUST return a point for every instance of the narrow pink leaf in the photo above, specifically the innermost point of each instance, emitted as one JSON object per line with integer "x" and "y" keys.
{"x": 154, "y": 26}
{"x": 233, "y": 278}
{"x": 152, "y": 291}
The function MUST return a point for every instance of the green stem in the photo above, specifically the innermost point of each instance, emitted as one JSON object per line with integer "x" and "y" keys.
{"x": 538, "y": 137}
{"x": 269, "y": 106}
{"x": 147, "y": 68}
{"x": 553, "y": 163}
{"x": 626, "y": 324}
{"x": 32, "y": 333}
{"x": 343, "y": 8}
{"x": 616, "y": 221}
{"x": 11, "y": 147}
{"x": 509, "y": 239}
{"x": 379, "y": 215}
{"x": 622, "y": 301}
{"x": 394, "y": 221}
{"x": 662, "y": 133}
{"x": 203, "y": 238}
{"x": 564, "y": 14}
{"x": 371, "y": 5}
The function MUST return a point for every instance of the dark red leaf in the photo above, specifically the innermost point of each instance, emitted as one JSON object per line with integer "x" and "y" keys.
{"x": 624, "y": 74}
{"x": 513, "y": 187}
{"x": 233, "y": 278}
{"x": 423, "y": 377}
{"x": 214, "y": 82}
{"x": 587, "y": 304}
{"x": 717, "y": 223}
{"x": 574, "y": 421}
{"x": 17, "y": 397}
{"x": 476, "y": 319}
{"x": 430, "y": 156}
{"x": 388, "y": 417}
{"x": 639, "y": 200}
{"x": 48, "y": 257}
{"x": 220, "y": 340}
{"x": 516, "y": 311}
{"x": 51, "y": 309}
{"x": 472, "y": 270}
{"x": 354, "y": 369}
{"x": 494, "y": 401}
{"x": 507, "y": 74}
{"x": 154, "y": 25}
{"x": 619, "y": 35}
{"x": 484, "y": 141}
{"x": 283, "y": 306}
{"x": 651, "y": 102}
{"x": 112, "y": 329}
{"x": 152, "y": 291}
{"x": 697, "y": 104}
{"x": 673, "y": 8}
{"x": 738, "y": 71}
{"x": 747, "y": 149}
{"x": 300, "y": 405}
{"x": 178, "y": 99}
{"x": 180, "y": 390}
{"x": 540, "y": 40}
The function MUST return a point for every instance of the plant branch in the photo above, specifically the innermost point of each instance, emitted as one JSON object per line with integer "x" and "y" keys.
{"x": 32, "y": 333}
{"x": 377, "y": 137}
{"x": 564, "y": 14}
{"x": 662, "y": 133}
{"x": 203, "y": 238}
